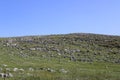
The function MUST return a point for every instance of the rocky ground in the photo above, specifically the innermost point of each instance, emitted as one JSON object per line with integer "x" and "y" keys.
{"x": 60, "y": 56}
{"x": 75, "y": 47}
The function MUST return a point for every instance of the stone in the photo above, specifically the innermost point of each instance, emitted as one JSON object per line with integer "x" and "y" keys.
{"x": 31, "y": 69}
{"x": 15, "y": 69}
{"x": 63, "y": 71}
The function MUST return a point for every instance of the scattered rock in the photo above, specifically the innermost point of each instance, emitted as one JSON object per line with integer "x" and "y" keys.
{"x": 4, "y": 65}
{"x": 31, "y": 69}
{"x": 22, "y": 70}
{"x": 32, "y": 49}
{"x": 15, "y": 69}
{"x": 7, "y": 69}
{"x": 5, "y": 75}
{"x": 63, "y": 71}
{"x": 50, "y": 70}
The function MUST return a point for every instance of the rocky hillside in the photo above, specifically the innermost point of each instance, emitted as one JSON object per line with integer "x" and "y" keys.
{"x": 73, "y": 47}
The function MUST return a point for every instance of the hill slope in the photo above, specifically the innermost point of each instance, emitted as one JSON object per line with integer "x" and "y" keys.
{"x": 76, "y": 47}
{"x": 75, "y": 55}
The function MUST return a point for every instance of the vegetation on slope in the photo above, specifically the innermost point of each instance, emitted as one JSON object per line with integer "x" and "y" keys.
{"x": 76, "y": 56}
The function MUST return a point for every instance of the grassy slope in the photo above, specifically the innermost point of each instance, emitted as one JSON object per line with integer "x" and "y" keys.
{"x": 94, "y": 57}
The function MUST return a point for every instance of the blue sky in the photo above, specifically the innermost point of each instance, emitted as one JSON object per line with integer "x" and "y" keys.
{"x": 41, "y": 17}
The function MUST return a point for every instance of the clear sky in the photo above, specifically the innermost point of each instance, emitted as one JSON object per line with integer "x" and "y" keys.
{"x": 41, "y": 17}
